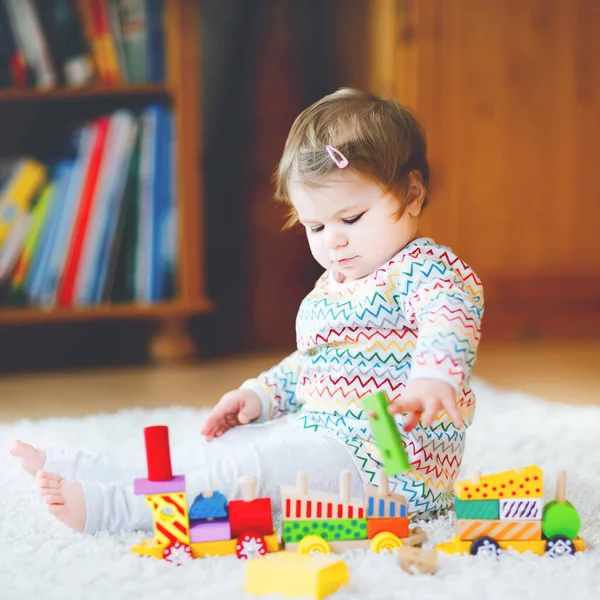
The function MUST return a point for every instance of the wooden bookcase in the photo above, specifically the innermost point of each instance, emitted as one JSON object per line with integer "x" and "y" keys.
{"x": 182, "y": 89}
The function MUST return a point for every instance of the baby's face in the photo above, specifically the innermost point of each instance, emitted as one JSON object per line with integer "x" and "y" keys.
{"x": 351, "y": 225}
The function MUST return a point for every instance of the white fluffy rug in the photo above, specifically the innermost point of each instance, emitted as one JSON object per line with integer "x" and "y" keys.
{"x": 40, "y": 559}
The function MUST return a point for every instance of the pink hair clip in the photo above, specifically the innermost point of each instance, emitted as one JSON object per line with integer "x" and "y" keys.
{"x": 340, "y": 160}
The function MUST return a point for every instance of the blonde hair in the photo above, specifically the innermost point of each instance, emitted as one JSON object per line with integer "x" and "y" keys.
{"x": 380, "y": 138}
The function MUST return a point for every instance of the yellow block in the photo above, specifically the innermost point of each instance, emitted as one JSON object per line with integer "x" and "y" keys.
{"x": 456, "y": 546}
{"x": 519, "y": 483}
{"x": 151, "y": 548}
{"x": 225, "y": 547}
{"x": 295, "y": 575}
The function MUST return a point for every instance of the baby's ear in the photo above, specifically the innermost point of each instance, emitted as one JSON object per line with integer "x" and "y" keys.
{"x": 415, "y": 195}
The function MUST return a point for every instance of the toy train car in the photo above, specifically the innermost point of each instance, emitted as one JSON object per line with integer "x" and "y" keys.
{"x": 311, "y": 522}
{"x": 212, "y": 526}
{"x": 314, "y": 522}
{"x": 506, "y": 510}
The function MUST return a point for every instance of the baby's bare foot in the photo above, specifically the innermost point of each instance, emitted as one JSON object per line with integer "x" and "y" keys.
{"x": 31, "y": 459}
{"x": 64, "y": 498}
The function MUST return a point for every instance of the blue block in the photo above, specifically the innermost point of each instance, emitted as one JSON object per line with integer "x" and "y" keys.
{"x": 214, "y": 507}
{"x": 376, "y": 508}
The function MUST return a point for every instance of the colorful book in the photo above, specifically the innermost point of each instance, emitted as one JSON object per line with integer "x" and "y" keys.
{"x": 88, "y": 195}
{"x": 111, "y": 184}
{"x": 19, "y": 192}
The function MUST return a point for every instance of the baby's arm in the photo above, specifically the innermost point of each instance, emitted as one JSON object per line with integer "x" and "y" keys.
{"x": 268, "y": 396}
{"x": 276, "y": 388}
{"x": 446, "y": 305}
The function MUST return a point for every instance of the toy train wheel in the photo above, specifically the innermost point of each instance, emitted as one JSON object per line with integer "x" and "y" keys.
{"x": 313, "y": 544}
{"x": 250, "y": 545}
{"x": 386, "y": 541}
{"x": 177, "y": 553}
{"x": 485, "y": 546}
{"x": 559, "y": 545}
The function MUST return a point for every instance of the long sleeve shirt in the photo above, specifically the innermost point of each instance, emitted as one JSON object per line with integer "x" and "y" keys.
{"x": 417, "y": 316}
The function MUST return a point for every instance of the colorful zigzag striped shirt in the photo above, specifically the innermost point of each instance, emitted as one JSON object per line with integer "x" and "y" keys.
{"x": 418, "y": 316}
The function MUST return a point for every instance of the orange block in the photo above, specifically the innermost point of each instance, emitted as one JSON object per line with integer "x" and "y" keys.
{"x": 471, "y": 529}
{"x": 398, "y": 527}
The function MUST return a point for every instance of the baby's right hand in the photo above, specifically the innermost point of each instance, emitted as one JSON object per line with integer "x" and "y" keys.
{"x": 235, "y": 408}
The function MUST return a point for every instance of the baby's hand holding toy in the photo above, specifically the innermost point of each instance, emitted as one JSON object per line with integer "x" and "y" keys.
{"x": 235, "y": 408}
{"x": 423, "y": 399}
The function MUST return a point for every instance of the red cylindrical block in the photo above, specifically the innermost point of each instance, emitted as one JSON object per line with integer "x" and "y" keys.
{"x": 158, "y": 453}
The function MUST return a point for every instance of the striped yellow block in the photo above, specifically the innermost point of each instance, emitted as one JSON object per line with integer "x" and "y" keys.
{"x": 470, "y": 529}
{"x": 171, "y": 522}
{"x": 519, "y": 483}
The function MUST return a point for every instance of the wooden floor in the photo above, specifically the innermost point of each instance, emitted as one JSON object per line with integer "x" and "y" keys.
{"x": 556, "y": 371}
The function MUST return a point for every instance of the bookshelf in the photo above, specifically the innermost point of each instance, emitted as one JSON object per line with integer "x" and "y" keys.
{"x": 182, "y": 90}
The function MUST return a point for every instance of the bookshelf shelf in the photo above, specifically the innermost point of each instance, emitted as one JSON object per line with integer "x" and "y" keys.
{"x": 107, "y": 312}
{"x": 38, "y": 95}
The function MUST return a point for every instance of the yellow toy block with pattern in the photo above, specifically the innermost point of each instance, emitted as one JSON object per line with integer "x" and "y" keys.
{"x": 526, "y": 482}
{"x": 295, "y": 575}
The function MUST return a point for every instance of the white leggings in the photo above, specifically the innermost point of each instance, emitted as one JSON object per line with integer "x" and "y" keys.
{"x": 272, "y": 454}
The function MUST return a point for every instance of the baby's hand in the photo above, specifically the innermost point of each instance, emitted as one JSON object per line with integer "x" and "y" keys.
{"x": 423, "y": 399}
{"x": 238, "y": 407}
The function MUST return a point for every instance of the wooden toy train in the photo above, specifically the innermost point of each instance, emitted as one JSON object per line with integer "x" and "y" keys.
{"x": 507, "y": 510}
{"x": 311, "y": 522}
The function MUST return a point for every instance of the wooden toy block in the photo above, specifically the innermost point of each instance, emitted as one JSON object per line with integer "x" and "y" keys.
{"x": 150, "y": 548}
{"x": 334, "y": 529}
{"x": 226, "y": 547}
{"x": 398, "y": 527}
{"x": 170, "y": 517}
{"x": 470, "y": 529}
{"x": 209, "y": 505}
{"x": 522, "y": 509}
{"x": 250, "y": 514}
{"x": 299, "y": 504}
{"x": 477, "y": 509}
{"x": 382, "y": 541}
{"x": 210, "y": 531}
{"x": 315, "y": 543}
{"x": 145, "y": 487}
{"x": 519, "y": 483}
{"x": 386, "y": 434}
{"x": 539, "y": 547}
{"x": 380, "y": 503}
{"x": 413, "y": 559}
{"x": 294, "y": 575}
{"x": 158, "y": 453}
{"x": 560, "y": 516}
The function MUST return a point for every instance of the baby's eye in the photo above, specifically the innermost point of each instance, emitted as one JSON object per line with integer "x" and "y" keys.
{"x": 316, "y": 228}
{"x": 352, "y": 220}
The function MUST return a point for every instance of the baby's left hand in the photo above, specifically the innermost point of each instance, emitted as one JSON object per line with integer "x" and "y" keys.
{"x": 423, "y": 399}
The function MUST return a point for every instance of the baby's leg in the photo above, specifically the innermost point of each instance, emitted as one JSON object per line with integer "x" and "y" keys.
{"x": 73, "y": 464}
{"x": 77, "y": 464}
{"x": 273, "y": 455}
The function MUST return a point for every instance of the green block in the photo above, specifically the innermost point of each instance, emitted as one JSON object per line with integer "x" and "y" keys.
{"x": 560, "y": 518}
{"x": 386, "y": 434}
{"x": 330, "y": 530}
{"x": 477, "y": 509}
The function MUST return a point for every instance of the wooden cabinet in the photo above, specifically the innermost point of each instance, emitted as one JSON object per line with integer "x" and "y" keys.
{"x": 509, "y": 94}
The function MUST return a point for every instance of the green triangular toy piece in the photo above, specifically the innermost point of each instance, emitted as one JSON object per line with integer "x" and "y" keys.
{"x": 386, "y": 434}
